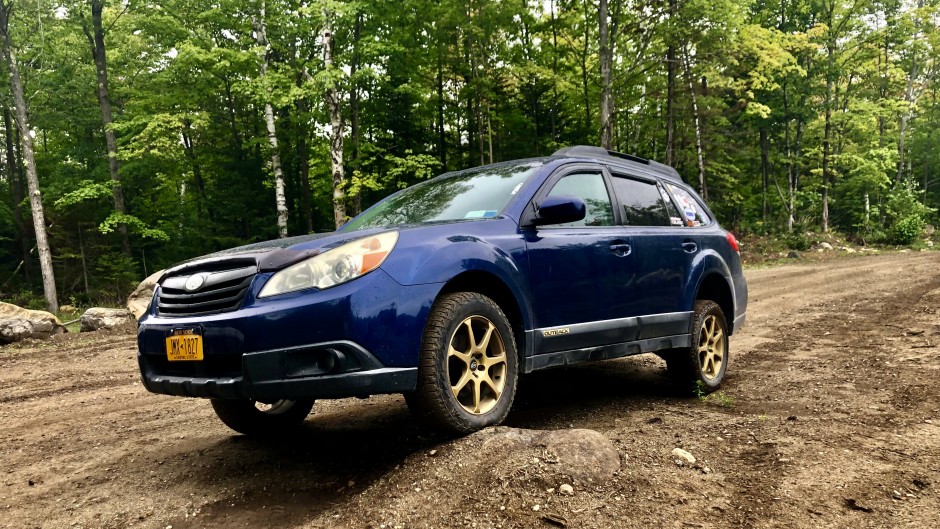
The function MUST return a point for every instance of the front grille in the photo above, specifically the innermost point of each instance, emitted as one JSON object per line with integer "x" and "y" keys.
{"x": 195, "y": 292}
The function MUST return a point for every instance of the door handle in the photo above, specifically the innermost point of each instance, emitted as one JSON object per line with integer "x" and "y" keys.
{"x": 621, "y": 249}
{"x": 689, "y": 246}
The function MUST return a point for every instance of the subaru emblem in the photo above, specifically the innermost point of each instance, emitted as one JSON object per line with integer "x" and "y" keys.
{"x": 195, "y": 282}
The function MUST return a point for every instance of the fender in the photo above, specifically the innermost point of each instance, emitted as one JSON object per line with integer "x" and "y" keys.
{"x": 438, "y": 258}
{"x": 705, "y": 263}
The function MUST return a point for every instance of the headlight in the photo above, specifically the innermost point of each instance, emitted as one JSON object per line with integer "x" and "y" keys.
{"x": 337, "y": 266}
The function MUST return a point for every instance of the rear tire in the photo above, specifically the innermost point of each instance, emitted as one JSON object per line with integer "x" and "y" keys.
{"x": 260, "y": 420}
{"x": 468, "y": 369}
{"x": 700, "y": 368}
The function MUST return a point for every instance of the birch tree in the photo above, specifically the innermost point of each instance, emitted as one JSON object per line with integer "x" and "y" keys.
{"x": 26, "y": 146}
{"x": 333, "y": 101}
{"x": 280, "y": 199}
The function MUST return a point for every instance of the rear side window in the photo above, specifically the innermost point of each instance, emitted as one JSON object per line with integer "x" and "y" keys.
{"x": 642, "y": 202}
{"x": 590, "y": 188}
{"x": 693, "y": 214}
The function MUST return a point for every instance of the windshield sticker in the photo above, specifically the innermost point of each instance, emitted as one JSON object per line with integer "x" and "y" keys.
{"x": 675, "y": 221}
{"x": 480, "y": 214}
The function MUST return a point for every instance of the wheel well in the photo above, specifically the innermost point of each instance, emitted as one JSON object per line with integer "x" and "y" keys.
{"x": 716, "y": 289}
{"x": 492, "y": 287}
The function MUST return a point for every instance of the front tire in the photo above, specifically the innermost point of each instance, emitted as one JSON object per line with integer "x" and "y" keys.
{"x": 258, "y": 419}
{"x": 469, "y": 366}
{"x": 699, "y": 369}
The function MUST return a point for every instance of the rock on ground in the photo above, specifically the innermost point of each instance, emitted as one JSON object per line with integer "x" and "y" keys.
{"x": 683, "y": 455}
{"x": 97, "y": 318}
{"x": 17, "y": 323}
{"x": 139, "y": 300}
{"x": 583, "y": 455}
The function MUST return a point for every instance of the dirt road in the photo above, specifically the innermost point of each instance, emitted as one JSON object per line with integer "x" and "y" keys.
{"x": 830, "y": 417}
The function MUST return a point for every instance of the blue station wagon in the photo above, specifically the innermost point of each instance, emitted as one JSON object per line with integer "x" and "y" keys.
{"x": 449, "y": 290}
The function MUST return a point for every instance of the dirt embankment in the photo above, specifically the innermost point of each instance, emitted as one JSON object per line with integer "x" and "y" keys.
{"x": 830, "y": 417}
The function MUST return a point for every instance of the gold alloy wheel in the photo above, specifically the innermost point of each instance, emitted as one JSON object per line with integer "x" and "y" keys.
{"x": 711, "y": 347}
{"x": 476, "y": 364}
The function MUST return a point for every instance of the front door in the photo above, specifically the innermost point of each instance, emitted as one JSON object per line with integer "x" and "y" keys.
{"x": 581, "y": 273}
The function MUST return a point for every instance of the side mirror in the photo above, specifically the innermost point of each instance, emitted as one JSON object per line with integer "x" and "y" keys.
{"x": 560, "y": 209}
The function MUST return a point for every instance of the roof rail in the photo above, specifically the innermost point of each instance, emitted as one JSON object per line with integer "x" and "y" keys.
{"x": 591, "y": 151}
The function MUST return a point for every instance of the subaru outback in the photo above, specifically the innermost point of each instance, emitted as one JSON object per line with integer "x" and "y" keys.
{"x": 450, "y": 290}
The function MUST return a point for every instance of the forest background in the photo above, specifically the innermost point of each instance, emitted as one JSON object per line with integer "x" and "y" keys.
{"x": 162, "y": 130}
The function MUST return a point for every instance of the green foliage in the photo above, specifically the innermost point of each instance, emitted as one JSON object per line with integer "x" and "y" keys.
{"x": 428, "y": 87}
{"x": 86, "y": 190}
{"x": 116, "y": 276}
{"x": 905, "y": 214}
{"x": 798, "y": 241}
{"x": 135, "y": 224}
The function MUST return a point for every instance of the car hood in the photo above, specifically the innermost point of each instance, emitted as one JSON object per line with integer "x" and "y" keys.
{"x": 269, "y": 255}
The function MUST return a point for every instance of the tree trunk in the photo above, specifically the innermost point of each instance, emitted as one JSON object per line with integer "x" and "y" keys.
{"x": 554, "y": 75}
{"x": 354, "y": 109}
{"x": 698, "y": 128}
{"x": 16, "y": 193}
{"x": 789, "y": 155}
{"x": 303, "y": 155}
{"x": 32, "y": 178}
{"x": 81, "y": 248}
{"x": 584, "y": 70}
{"x": 764, "y": 170}
{"x": 827, "y": 138}
{"x": 99, "y": 55}
{"x": 233, "y": 120}
{"x": 336, "y": 125}
{"x": 909, "y": 99}
{"x": 441, "y": 132}
{"x": 606, "y": 63}
{"x": 190, "y": 149}
{"x": 671, "y": 61}
{"x": 279, "y": 197}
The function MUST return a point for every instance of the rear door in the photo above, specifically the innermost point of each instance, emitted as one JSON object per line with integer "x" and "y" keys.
{"x": 663, "y": 252}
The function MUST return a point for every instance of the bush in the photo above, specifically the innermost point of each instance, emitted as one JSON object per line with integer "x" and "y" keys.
{"x": 906, "y": 230}
{"x": 905, "y": 214}
{"x": 797, "y": 241}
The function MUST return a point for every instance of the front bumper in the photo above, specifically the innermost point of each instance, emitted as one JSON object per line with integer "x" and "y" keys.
{"x": 316, "y": 371}
{"x": 356, "y": 339}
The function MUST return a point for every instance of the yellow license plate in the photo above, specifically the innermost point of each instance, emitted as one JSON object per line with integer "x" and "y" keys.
{"x": 183, "y": 346}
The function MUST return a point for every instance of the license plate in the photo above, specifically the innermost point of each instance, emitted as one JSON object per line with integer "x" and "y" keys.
{"x": 184, "y": 346}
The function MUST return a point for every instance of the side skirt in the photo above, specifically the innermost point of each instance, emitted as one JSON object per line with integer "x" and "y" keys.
{"x": 605, "y": 352}
{"x": 603, "y": 340}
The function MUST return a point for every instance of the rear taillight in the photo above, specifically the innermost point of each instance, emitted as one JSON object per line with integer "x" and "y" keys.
{"x": 732, "y": 241}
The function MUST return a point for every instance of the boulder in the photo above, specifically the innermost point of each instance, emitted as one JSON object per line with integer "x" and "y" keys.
{"x": 97, "y": 318}
{"x": 825, "y": 246}
{"x": 794, "y": 255}
{"x": 585, "y": 456}
{"x": 139, "y": 300}
{"x": 17, "y": 323}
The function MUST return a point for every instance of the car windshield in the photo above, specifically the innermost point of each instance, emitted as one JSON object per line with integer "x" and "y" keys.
{"x": 468, "y": 195}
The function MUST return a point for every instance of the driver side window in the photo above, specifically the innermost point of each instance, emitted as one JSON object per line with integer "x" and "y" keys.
{"x": 590, "y": 188}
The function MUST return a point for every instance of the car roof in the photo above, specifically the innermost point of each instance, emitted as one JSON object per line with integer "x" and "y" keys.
{"x": 627, "y": 161}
